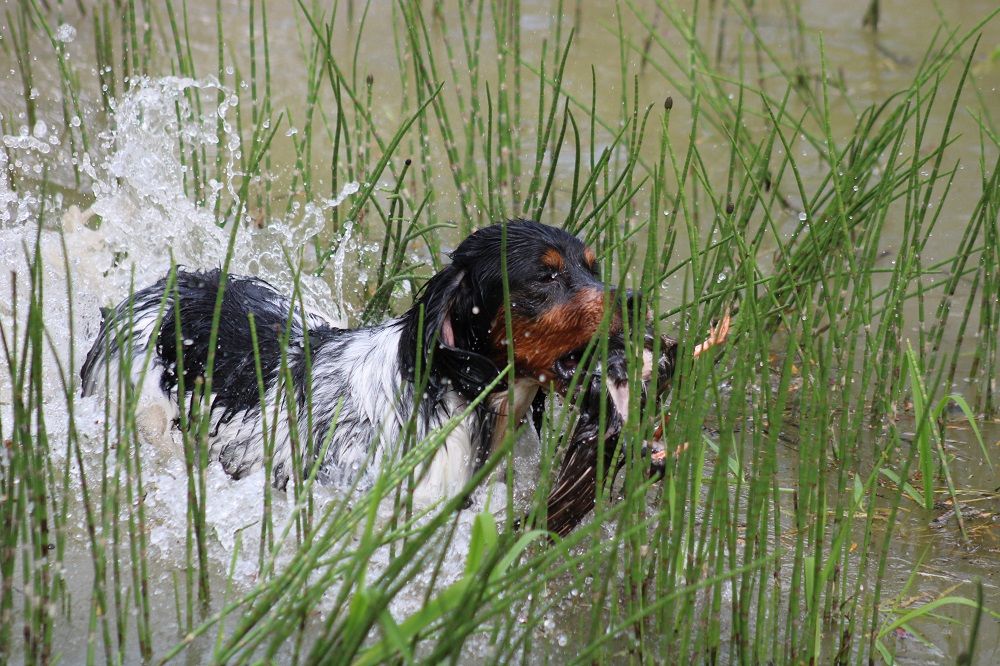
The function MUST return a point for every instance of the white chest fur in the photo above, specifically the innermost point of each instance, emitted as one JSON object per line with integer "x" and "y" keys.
{"x": 454, "y": 462}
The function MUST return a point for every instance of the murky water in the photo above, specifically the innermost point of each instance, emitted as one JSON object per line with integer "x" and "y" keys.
{"x": 133, "y": 180}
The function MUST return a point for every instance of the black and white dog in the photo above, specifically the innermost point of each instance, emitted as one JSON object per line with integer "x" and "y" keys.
{"x": 362, "y": 381}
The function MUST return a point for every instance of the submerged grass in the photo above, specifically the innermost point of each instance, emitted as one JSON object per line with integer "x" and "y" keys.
{"x": 747, "y": 549}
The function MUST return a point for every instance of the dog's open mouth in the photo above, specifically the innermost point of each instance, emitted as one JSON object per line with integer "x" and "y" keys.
{"x": 611, "y": 372}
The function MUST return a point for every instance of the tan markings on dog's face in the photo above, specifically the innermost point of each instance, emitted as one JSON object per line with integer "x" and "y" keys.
{"x": 589, "y": 258}
{"x": 553, "y": 259}
{"x": 540, "y": 341}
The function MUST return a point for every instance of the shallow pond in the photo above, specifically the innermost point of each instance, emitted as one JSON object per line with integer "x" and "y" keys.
{"x": 161, "y": 180}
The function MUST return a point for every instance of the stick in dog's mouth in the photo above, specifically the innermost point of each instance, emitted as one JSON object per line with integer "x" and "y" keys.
{"x": 575, "y": 491}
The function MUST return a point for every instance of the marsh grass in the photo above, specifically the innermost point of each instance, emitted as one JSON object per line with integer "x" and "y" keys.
{"x": 745, "y": 550}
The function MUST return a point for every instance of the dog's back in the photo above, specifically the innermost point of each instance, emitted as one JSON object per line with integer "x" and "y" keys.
{"x": 185, "y": 311}
{"x": 347, "y": 395}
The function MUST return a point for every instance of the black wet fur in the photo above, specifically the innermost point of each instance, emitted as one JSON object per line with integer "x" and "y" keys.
{"x": 234, "y": 379}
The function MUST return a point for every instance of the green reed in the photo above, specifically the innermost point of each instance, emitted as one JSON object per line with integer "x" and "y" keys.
{"x": 768, "y": 537}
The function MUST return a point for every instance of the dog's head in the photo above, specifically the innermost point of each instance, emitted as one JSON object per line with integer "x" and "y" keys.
{"x": 557, "y": 304}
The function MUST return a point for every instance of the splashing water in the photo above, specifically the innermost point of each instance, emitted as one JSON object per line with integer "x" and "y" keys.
{"x": 139, "y": 220}
{"x": 136, "y": 178}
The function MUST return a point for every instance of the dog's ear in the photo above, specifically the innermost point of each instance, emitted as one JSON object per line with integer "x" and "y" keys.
{"x": 451, "y": 339}
{"x": 438, "y": 300}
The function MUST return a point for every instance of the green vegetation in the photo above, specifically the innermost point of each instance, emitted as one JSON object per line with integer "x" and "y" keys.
{"x": 769, "y": 539}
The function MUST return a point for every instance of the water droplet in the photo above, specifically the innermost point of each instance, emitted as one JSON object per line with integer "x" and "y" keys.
{"x": 803, "y": 217}
{"x": 65, "y": 33}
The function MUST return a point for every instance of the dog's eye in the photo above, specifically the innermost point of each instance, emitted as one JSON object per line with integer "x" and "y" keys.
{"x": 550, "y": 276}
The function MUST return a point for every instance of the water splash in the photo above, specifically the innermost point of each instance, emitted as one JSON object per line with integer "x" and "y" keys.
{"x": 139, "y": 217}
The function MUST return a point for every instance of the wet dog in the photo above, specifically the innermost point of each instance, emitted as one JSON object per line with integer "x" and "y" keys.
{"x": 348, "y": 396}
